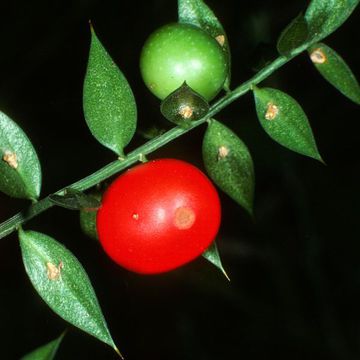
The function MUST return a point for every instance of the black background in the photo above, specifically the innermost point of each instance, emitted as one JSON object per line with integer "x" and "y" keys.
{"x": 295, "y": 272}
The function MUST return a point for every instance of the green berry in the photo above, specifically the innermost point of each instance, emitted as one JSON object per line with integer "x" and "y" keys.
{"x": 182, "y": 52}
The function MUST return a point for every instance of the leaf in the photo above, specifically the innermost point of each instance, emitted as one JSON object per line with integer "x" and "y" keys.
{"x": 63, "y": 284}
{"x": 184, "y": 105}
{"x": 20, "y": 172}
{"x": 45, "y": 352}
{"x": 334, "y": 69}
{"x": 293, "y": 36}
{"x": 197, "y": 13}
{"x": 285, "y": 121}
{"x": 75, "y": 200}
{"x": 109, "y": 104}
{"x": 325, "y": 16}
{"x": 88, "y": 219}
{"x": 228, "y": 162}
{"x": 212, "y": 255}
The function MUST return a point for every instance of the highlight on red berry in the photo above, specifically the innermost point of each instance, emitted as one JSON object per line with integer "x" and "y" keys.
{"x": 158, "y": 216}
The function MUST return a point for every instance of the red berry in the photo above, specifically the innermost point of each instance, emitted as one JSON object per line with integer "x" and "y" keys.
{"x": 158, "y": 216}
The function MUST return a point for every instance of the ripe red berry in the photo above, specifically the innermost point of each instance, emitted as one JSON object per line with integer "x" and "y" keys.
{"x": 158, "y": 216}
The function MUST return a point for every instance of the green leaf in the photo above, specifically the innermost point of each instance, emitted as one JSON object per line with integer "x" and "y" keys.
{"x": 228, "y": 162}
{"x": 212, "y": 255}
{"x": 109, "y": 104}
{"x": 63, "y": 284}
{"x": 75, "y": 200}
{"x": 88, "y": 223}
{"x": 88, "y": 219}
{"x": 184, "y": 105}
{"x": 293, "y": 36}
{"x": 325, "y": 16}
{"x": 197, "y": 13}
{"x": 334, "y": 69}
{"x": 45, "y": 352}
{"x": 20, "y": 172}
{"x": 285, "y": 121}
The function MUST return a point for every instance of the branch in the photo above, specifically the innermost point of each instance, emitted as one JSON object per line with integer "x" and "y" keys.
{"x": 13, "y": 223}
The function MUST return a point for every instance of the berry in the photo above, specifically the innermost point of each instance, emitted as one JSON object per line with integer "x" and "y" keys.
{"x": 176, "y": 53}
{"x": 158, "y": 216}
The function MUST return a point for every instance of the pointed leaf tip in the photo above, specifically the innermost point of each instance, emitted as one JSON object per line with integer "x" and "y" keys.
{"x": 45, "y": 352}
{"x": 108, "y": 101}
{"x": 229, "y": 164}
{"x": 63, "y": 284}
{"x": 284, "y": 121}
{"x": 212, "y": 255}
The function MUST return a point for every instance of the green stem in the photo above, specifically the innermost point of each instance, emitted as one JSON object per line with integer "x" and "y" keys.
{"x": 12, "y": 224}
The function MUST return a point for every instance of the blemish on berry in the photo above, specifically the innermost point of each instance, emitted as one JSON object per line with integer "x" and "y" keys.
{"x": 220, "y": 39}
{"x": 11, "y": 159}
{"x": 53, "y": 271}
{"x": 135, "y": 216}
{"x": 271, "y": 112}
{"x": 318, "y": 56}
{"x": 184, "y": 218}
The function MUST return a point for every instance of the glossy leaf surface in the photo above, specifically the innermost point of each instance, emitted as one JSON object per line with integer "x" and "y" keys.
{"x": 293, "y": 36}
{"x": 229, "y": 164}
{"x": 20, "y": 172}
{"x": 212, "y": 255}
{"x": 335, "y": 70}
{"x": 284, "y": 120}
{"x": 197, "y": 13}
{"x": 325, "y": 16}
{"x": 184, "y": 105}
{"x": 45, "y": 352}
{"x": 109, "y": 104}
{"x": 63, "y": 284}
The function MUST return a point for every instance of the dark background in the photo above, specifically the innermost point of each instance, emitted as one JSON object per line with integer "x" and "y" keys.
{"x": 295, "y": 272}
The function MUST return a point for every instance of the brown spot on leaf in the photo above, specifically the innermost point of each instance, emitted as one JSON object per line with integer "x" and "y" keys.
{"x": 11, "y": 159}
{"x": 318, "y": 56}
{"x": 223, "y": 152}
{"x": 53, "y": 271}
{"x": 271, "y": 112}
{"x": 186, "y": 111}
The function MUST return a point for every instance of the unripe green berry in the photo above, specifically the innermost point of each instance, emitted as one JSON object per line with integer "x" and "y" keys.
{"x": 176, "y": 53}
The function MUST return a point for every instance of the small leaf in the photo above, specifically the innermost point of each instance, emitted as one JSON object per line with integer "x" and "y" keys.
{"x": 109, "y": 104}
{"x": 228, "y": 162}
{"x": 75, "y": 200}
{"x": 334, "y": 69}
{"x": 184, "y": 105}
{"x": 88, "y": 219}
{"x": 63, "y": 284}
{"x": 212, "y": 255}
{"x": 20, "y": 172}
{"x": 325, "y": 16}
{"x": 285, "y": 121}
{"x": 45, "y": 352}
{"x": 197, "y": 13}
{"x": 293, "y": 36}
